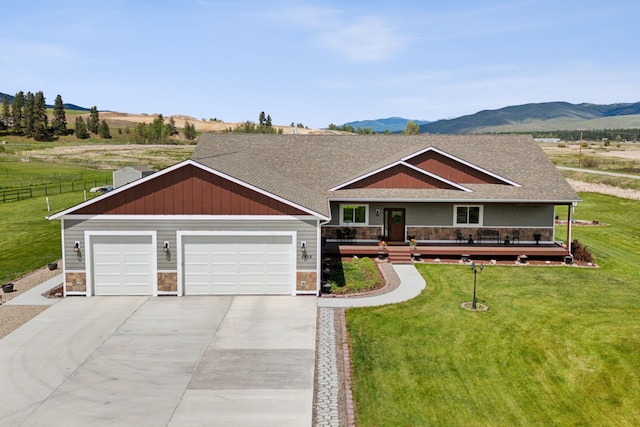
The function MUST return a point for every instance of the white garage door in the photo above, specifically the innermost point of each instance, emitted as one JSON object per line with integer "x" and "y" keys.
{"x": 238, "y": 264}
{"x": 122, "y": 265}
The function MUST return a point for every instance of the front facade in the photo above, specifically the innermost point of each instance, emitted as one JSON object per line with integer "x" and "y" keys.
{"x": 189, "y": 231}
{"x": 249, "y": 214}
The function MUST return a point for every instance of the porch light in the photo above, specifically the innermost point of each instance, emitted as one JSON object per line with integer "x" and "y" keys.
{"x": 165, "y": 246}
{"x": 76, "y": 246}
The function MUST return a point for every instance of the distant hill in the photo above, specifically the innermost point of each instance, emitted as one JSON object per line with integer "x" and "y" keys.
{"x": 392, "y": 124}
{"x": 66, "y": 106}
{"x": 527, "y": 117}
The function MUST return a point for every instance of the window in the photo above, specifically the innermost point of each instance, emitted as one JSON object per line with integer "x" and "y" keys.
{"x": 468, "y": 215}
{"x": 353, "y": 214}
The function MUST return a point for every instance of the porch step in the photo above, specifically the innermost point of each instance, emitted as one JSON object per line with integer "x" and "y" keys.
{"x": 399, "y": 255}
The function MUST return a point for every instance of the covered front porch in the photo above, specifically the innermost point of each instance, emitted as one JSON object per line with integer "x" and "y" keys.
{"x": 404, "y": 253}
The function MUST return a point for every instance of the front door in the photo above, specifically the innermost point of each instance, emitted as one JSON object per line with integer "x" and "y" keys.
{"x": 394, "y": 224}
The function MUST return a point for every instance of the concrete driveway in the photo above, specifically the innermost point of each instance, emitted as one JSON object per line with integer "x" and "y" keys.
{"x": 164, "y": 361}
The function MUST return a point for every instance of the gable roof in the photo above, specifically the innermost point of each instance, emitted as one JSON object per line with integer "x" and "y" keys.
{"x": 144, "y": 196}
{"x": 313, "y": 169}
{"x": 306, "y": 172}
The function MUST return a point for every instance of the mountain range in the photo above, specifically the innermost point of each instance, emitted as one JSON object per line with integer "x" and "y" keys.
{"x": 546, "y": 116}
{"x": 541, "y": 116}
{"x": 391, "y": 124}
{"x": 523, "y": 118}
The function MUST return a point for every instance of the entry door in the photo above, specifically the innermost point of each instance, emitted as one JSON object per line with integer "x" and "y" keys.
{"x": 394, "y": 224}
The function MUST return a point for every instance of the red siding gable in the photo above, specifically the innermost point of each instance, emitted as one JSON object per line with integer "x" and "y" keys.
{"x": 451, "y": 169}
{"x": 189, "y": 190}
{"x": 399, "y": 176}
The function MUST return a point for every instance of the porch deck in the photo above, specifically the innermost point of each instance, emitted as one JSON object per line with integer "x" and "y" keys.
{"x": 402, "y": 252}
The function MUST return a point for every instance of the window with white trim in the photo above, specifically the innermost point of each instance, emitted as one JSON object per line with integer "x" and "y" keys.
{"x": 353, "y": 214}
{"x": 470, "y": 215}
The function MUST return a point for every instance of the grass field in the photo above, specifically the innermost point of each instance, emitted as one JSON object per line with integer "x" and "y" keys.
{"x": 558, "y": 346}
{"x": 29, "y": 240}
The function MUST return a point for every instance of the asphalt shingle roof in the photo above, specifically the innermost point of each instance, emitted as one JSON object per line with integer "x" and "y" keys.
{"x": 302, "y": 168}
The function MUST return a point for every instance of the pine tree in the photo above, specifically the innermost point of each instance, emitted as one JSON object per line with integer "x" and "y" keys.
{"x": 104, "y": 131}
{"x": 268, "y": 121}
{"x": 59, "y": 121}
{"x": 28, "y": 120}
{"x": 93, "y": 124}
{"x": 40, "y": 118}
{"x": 173, "y": 130}
{"x": 17, "y": 113}
{"x": 6, "y": 110}
{"x": 81, "y": 129}
{"x": 189, "y": 131}
{"x": 262, "y": 120}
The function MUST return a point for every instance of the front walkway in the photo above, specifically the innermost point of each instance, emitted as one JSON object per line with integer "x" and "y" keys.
{"x": 411, "y": 284}
{"x": 334, "y": 402}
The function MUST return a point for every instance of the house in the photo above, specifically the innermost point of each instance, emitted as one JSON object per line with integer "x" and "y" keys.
{"x": 249, "y": 214}
{"x": 129, "y": 174}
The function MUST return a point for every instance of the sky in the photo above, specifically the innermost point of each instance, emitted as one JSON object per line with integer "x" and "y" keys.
{"x": 320, "y": 62}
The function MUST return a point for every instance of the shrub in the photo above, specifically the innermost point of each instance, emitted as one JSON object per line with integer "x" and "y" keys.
{"x": 580, "y": 252}
{"x": 590, "y": 162}
{"x": 562, "y": 145}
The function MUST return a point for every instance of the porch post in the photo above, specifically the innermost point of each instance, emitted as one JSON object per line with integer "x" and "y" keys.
{"x": 569, "y": 227}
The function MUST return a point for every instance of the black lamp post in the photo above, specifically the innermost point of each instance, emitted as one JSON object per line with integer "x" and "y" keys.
{"x": 474, "y": 268}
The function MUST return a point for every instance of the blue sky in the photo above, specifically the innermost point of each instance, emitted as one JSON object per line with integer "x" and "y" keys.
{"x": 320, "y": 62}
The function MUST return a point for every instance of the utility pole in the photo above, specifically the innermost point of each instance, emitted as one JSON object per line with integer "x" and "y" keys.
{"x": 580, "y": 151}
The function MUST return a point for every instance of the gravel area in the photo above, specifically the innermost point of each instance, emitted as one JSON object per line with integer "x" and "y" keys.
{"x": 333, "y": 400}
{"x": 14, "y": 316}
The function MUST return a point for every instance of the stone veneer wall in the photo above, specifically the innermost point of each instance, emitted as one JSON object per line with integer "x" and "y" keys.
{"x": 76, "y": 281}
{"x": 311, "y": 277}
{"x": 168, "y": 282}
{"x": 364, "y": 233}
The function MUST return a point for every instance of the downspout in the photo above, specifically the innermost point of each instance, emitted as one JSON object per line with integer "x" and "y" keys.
{"x": 319, "y": 256}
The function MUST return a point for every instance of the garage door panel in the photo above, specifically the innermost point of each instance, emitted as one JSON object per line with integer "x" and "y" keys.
{"x": 238, "y": 264}
{"x": 122, "y": 265}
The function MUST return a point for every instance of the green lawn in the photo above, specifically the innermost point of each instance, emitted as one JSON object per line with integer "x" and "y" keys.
{"x": 559, "y": 345}
{"x": 29, "y": 240}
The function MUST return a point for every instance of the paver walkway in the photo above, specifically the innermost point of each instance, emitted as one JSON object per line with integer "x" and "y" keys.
{"x": 329, "y": 378}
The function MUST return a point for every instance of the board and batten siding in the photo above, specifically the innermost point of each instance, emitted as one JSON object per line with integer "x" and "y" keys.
{"x": 166, "y": 229}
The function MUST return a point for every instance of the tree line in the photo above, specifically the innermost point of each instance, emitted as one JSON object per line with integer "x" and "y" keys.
{"x": 27, "y": 116}
{"x": 159, "y": 132}
{"x": 411, "y": 128}
{"x": 264, "y": 125}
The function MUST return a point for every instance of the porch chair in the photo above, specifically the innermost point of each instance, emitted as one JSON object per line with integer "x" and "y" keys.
{"x": 459, "y": 237}
{"x": 515, "y": 235}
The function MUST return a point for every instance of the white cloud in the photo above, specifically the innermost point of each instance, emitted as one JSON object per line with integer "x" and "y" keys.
{"x": 367, "y": 39}
{"x": 359, "y": 39}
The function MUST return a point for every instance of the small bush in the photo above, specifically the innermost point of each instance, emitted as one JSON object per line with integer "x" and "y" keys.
{"x": 590, "y": 162}
{"x": 580, "y": 252}
{"x": 562, "y": 145}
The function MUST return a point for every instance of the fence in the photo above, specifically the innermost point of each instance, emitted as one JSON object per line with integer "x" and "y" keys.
{"x": 18, "y": 194}
{"x": 50, "y": 189}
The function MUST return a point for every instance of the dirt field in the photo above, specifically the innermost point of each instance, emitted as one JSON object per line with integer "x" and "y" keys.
{"x": 623, "y": 151}
{"x": 115, "y": 119}
{"x": 106, "y": 156}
